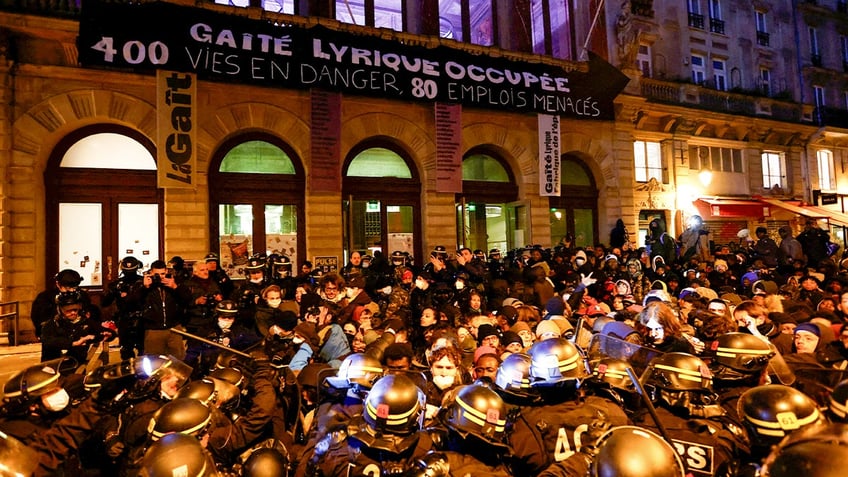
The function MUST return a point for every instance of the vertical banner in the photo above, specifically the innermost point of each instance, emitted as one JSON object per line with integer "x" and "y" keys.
{"x": 176, "y": 124}
{"x": 326, "y": 141}
{"x": 448, "y": 148}
{"x": 549, "y": 160}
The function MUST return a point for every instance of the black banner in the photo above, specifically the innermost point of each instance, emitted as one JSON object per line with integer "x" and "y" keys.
{"x": 149, "y": 36}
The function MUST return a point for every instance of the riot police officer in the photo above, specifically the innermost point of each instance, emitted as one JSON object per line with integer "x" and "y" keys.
{"x": 128, "y": 313}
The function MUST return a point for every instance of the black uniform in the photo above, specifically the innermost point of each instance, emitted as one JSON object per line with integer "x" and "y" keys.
{"x": 128, "y": 315}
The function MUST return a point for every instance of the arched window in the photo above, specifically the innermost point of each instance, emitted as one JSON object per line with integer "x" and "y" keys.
{"x": 575, "y": 212}
{"x": 256, "y": 188}
{"x": 102, "y": 203}
{"x": 382, "y": 202}
{"x": 487, "y": 218}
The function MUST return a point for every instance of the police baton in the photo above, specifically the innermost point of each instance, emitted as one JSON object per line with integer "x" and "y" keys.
{"x": 210, "y": 343}
{"x": 647, "y": 400}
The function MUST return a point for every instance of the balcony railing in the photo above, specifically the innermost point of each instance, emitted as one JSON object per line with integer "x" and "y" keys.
{"x": 696, "y": 21}
{"x": 831, "y": 117}
{"x": 762, "y": 38}
{"x": 53, "y": 8}
{"x": 717, "y": 26}
{"x": 816, "y": 60}
{"x": 687, "y": 94}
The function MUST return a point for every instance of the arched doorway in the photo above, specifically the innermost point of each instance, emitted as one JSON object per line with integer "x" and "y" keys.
{"x": 487, "y": 215}
{"x": 256, "y": 189}
{"x": 102, "y": 203}
{"x": 382, "y": 200}
{"x": 575, "y": 213}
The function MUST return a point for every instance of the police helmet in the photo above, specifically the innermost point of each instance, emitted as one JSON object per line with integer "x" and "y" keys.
{"x": 773, "y": 411}
{"x": 478, "y": 411}
{"x": 392, "y": 414}
{"x": 358, "y": 370}
{"x": 678, "y": 372}
{"x": 266, "y": 462}
{"x": 398, "y": 258}
{"x": 130, "y": 264}
{"x": 838, "y": 402}
{"x": 554, "y": 361}
{"x": 141, "y": 374}
{"x": 613, "y": 372}
{"x": 230, "y": 375}
{"x": 33, "y": 381}
{"x": 227, "y": 308}
{"x": 255, "y": 263}
{"x": 810, "y": 452}
{"x": 182, "y": 415}
{"x": 479, "y": 254}
{"x": 514, "y": 375}
{"x": 68, "y": 278}
{"x": 16, "y": 458}
{"x": 495, "y": 253}
{"x": 211, "y": 392}
{"x": 739, "y": 356}
{"x": 177, "y": 454}
{"x": 211, "y": 257}
{"x": 630, "y": 451}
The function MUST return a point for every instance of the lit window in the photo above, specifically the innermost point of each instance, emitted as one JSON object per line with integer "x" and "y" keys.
{"x": 717, "y": 159}
{"x": 378, "y": 162}
{"x": 257, "y": 157}
{"x": 773, "y": 170}
{"x": 720, "y": 75}
{"x": 482, "y": 167}
{"x": 698, "y": 71}
{"x": 643, "y": 60}
{"x": 550, "y": 22}
{"x": 379, "y": 13}
{"x": 827, "y": 179}
{"x": 648, "y": 161}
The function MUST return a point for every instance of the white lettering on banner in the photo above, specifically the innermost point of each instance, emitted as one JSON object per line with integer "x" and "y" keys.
{"x": 698, "y": 458}
{"x": 203, "y": 33}
{"x": 217, "y": 46}
{"x": 549, "y": 160}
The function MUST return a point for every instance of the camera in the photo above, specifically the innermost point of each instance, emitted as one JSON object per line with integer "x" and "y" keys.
{"x": 155, "y": 280}
{"x": 313, "y": 310}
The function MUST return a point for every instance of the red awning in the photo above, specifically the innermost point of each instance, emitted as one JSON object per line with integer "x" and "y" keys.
{"x": 730, "y": 208}
{"x": 794, "y": 207}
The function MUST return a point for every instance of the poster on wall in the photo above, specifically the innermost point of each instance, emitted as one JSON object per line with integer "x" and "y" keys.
{"x": 217, "y": 46}
{"x": 549, "y": 159}
{"x": 327, "y": 264}
{"x": 176, "y": 114}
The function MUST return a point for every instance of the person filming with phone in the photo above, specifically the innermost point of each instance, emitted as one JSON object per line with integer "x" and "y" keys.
{"x": 162, "y": 302}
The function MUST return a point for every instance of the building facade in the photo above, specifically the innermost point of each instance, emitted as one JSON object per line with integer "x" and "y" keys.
{"x": 734, "y": 111}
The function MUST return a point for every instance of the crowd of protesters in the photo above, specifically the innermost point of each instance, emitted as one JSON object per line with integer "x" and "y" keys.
{"x": 536, "y": 361}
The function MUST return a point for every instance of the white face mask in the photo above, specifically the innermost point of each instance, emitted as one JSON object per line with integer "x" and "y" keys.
{"x": 56, "y": 401}
{"x": 443, "y": 382}
{"x": 366, "y": 264}
{"x": 579, "y": 261}
{"x": 256, "y": 280}
{"x": 297, "y": 340}
{"x": 459, "y": 284}
{"x": 275, "y": 302}
{"x": 225, "y": 324}
{"x": 350, "y": 293}
{"x": 421, "y": 284}
{"x": 386, "y": 290}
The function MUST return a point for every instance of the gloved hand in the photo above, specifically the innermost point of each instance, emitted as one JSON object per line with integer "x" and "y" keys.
{"x": 587, "y": 280}
{"x": 114, "y": 446}
{"x": 434, "y": 464}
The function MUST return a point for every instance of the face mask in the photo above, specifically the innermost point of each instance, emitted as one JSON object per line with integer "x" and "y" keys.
{"x": 274, "y": 303}
{"x": 256, "y": 280}
{"x": 459, "y": 285}
{"x": 421, "y": 284}
{"x": 386, "y": 290}
{"x": 56, "y": 401}
{"x": 366, "y": 264}
{"x": 225, "y": 324}
{"x": 579, "y": 261}
{"x": 350, "y": 293}
{"x": 297, "y": 340}
{"x": 443, "y": 382}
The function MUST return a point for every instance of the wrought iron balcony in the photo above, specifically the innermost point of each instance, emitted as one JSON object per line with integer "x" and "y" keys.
{"x": 52, "y": 8}
{"x": 717, "y": 26}
{"x": 696, "y": 21}
{"x": 762, "y": 38}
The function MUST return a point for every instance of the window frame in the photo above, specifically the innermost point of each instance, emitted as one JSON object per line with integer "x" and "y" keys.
{"x": 702, "y": 157}
{"x": 768, "y": 173}
{"x": 643, "y": 172}
{"x": 719, "y": 79}
{"x": 826, "y": 170}
{"x": 698, "y": 70}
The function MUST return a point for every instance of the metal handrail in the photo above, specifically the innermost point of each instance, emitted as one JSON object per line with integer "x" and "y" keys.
{"x": 14, "y": 333}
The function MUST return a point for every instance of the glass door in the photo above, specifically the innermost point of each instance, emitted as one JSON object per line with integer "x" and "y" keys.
{"x": 484, "y": 225}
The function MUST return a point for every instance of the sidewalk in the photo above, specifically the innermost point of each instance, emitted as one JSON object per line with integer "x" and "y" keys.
{"x": 5, "y": 349}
